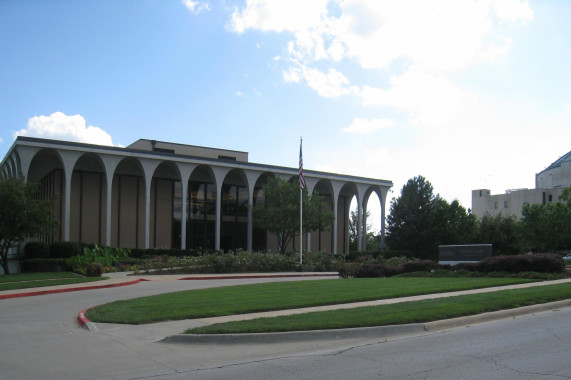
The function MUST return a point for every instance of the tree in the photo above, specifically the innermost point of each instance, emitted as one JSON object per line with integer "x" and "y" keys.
{"x": 372, "y": 239}
{"x": 502, "y": 232}
{"x": 566, "y": 196}
{"x": 410, "y": 217}
{"x": 547, "y": 227}
{"x": 279, "y": 212}
{"x": 21, "y": 215}
{"x": 419, "y": 221}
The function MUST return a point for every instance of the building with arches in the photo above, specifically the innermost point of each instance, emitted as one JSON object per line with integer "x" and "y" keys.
{"x": 155, "y": 194}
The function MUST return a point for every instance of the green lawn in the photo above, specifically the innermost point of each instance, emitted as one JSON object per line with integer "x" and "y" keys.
{"x": 277, "y": 296}
{"x": 37, "y": 280}
{"x": 401, "y": 313}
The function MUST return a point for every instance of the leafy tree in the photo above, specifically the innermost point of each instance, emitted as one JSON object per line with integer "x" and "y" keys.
{"x": 502, "y": 232}
{"x": 547, "y": 227}
{"x": 410, "y": 218}
{"x": 372, "y": 239}
{"x": 419, "y": 221}
{"x": 279, "y": 213}
{"x": 566, "y": 196}
{"x": 452, "y": 224}
{"x": 21, "y": 215}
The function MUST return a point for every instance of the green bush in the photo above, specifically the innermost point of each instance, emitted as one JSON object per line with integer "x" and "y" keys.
{"x": 37, "y": 250}
{"x": 44, "y": 265}
{"x": 94, "y": 269}
{"x": 106, "y": 256}
{"x": 539, "y": 262}
{"x": 65, "y": 249}
{"x": 140, "y": 253}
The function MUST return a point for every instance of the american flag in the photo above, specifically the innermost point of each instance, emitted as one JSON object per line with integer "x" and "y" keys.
{"x": 301, "y": 179}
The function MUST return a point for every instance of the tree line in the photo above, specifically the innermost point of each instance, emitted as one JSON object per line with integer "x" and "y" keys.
{"x": 420, "y": 220}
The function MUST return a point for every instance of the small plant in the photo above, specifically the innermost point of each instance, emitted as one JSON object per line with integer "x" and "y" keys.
{"x": 94, "y": 270}
{"x": 105, "y": 256}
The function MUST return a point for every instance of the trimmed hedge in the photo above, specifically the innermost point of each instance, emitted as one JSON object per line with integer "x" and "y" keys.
{"x": 37, "y": 250}
{"x": 138, "y": 253}
{"x": 538, "y": 263}
{"x": 44, "y": 265}
{"x": 65, "y": 249}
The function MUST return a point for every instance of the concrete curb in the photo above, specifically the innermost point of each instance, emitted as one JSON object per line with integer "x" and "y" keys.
{"x": 237, "y": 276}
{"x": 494, "y": 315}
{"x": 86, "y": 323}
{"x": 380, "y": 332}
{"x": 66, "y": 290}
{"x": 296, "y": 336}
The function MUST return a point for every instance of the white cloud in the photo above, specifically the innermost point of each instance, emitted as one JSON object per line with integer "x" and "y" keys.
{"x": 278, "y": 16}
{"x": 329, "y": 85}
{"x": 196, "y": 7}
{"x": 437, "y": 35}
{"x": 365, "y": 126}
{"x": 513, "y": 10}
{"x": 59, "y": 126}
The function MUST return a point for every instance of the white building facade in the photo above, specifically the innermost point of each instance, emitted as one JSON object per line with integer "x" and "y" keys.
{"x": 155, "y": 194}
{"x": 549, "y": 185}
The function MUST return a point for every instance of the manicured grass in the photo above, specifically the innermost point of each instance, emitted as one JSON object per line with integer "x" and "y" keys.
{"x": 278, "y": 296}
{"x": 37, "y": 280}
{"x": 401, "y": 313}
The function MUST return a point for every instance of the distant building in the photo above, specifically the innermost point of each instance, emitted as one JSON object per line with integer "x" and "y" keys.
{"x": 549, "y": 185}
{"x": 155, "y": 194}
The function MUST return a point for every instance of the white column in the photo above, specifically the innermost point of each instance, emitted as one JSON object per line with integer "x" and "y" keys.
{"x": 252, "y": 178}
{"x": 219, "y": 174}
{"x": 68, "y": 159}
{"x": 149, "y": 167}
{"x": 185, "y": 172}
{"x": 335, "y": 199}
{"x": 110, "y": 163}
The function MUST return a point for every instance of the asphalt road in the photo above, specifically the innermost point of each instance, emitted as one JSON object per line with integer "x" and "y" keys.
{"x": 40, "y": 339}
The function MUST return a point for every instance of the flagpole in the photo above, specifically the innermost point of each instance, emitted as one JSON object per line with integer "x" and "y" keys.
{"x": 301, "y": 186}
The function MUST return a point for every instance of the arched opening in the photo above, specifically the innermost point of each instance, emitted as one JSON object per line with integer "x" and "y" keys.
{"x": 165, "y": 210}
{"x": 128, "y": 205}
{"x": 260, "y": 236}
{"x": 46, "y": 169}
{"x": 201, "y": 226}
{"x": 374, "y": 220}
{"x": 322, "y": 240}
{"x": 347, "y": 196}
{"x": 234, "y": 222}
{"x": 87, "y": 199}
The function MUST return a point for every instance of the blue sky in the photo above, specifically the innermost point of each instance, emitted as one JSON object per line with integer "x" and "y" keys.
{"x": 469, "y": 94}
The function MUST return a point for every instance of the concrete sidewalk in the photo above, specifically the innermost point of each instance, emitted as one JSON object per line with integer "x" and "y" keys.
{"x": 127, "y": 278}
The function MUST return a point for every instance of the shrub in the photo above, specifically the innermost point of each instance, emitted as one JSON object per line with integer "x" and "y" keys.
{"x": 94, "y": 269}
{"x": 65, "y": 249}
{"x": 44, "y": 265}
{"x": 544, "y": 263}
{"x": 104, "y": 255}
{"x": 37, "y": 250}
{"x": 347, "y": 270}
{"x": 319, "y": 261}
{"x": 419, "y": 266}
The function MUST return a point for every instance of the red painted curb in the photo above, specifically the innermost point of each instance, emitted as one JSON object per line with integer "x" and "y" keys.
{"x": 233, "y": 277}
{"x": 81, "y": 319}
{"x": 65, "y": 290}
